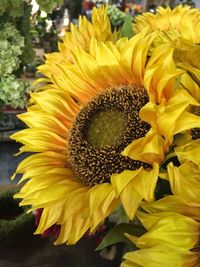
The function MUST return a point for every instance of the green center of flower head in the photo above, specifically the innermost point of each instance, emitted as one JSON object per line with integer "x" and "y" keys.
{"x": 102, "y": 130}
{"x": 106, "y": 128}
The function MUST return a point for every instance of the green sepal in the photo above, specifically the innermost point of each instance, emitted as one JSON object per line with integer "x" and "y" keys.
{"x": 116, "y": 235}
{"x": 127, "y": 28}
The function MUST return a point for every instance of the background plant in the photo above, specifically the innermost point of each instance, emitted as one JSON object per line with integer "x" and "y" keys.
{"x": 11, "y": 47}
{"x": 116, "y": 16}
{"x": 13, "y": 91}
{"x": 49, "y": 5}
{"x": 16, "y": 49}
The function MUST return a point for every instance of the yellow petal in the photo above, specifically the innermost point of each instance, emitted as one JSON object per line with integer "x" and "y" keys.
{"x": 49, "y": 217}
{"x": 189, "y": 151}
{"x": 184, "y": 181}
{"x": 159, "y": 256}
{"x": 172, "y": 117}
{"x": 133, "y": 186}
{"x": 183, "y": 19}
{"x": 189, "y": 84}
{"x": 148, "y": 149}
{"x": 39, "y": 140}
{"x": 172, "y": 204}
{"x": 160, "y": 74}
{"x": 169, "y": 229}
{"x": 124, "y": 187}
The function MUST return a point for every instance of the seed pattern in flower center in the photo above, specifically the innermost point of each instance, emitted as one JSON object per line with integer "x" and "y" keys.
{"x": 102, "y": 130}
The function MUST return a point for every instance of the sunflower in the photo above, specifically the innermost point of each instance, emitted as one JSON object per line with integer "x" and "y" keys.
{"x": 110, "y": 99}
{"x": 181, "y": 21}
{"x": 177, "y": 27}
{"x": 172, "y": 239}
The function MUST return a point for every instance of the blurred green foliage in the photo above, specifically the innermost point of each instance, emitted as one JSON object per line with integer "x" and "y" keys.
{"x": 49, "y": 5}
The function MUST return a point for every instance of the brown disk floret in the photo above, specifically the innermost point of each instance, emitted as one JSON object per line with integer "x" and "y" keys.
{"x": 95, "y": 165}
{"x": 195, "y": 131}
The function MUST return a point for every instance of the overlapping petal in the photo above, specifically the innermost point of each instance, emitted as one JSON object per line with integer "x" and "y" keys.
{"x": 168, "y": 241}
{"x": 79, "y": 37}
{"x": 133, "y": 186}
{"x": 172, "y": 203}
{"x": 176, "y": 28}
{"x": 159, "y": 256}
{"x": 150, "y": 148}
{"x": 109, "y": 65}
{"x": 160, "y": 75}
{"x": 166, "y": 120}
{"x": 184, "y": 181}
{"x": 189, "y": 151}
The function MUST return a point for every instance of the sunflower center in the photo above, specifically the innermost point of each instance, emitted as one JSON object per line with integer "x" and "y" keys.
{"x": 102, "y": 130}
{"x": 106, "y": 128}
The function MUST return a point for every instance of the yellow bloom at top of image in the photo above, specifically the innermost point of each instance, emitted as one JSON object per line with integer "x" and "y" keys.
{"x": 80, "y": 35}
{"x": 179, "y": 28}
{"x": 182, "y": 19}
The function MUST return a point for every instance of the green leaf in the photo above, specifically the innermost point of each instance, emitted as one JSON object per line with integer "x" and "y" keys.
{"x": 116, "y": 234}
{"x": 127, "y": 28}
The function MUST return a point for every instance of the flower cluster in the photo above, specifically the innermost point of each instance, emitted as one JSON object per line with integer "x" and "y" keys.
{"x": 13, "y": 92}
{"x": 116, "y": 16}
{"x": 11, "y": 45}
{"x": 115, "y": 123}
